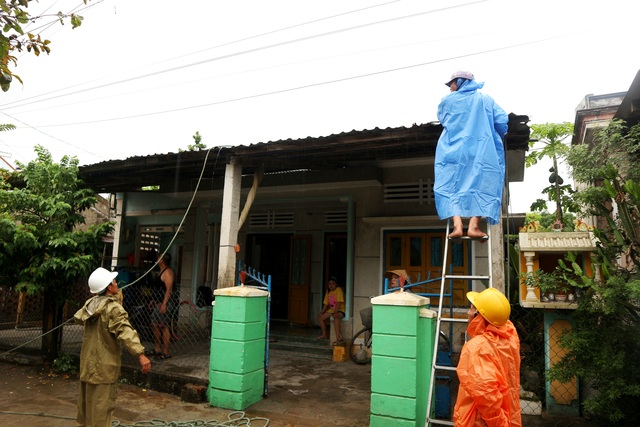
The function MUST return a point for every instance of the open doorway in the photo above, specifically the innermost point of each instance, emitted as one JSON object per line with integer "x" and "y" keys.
{"x": 335, "y": 259}
{"x": 270, "y": 254}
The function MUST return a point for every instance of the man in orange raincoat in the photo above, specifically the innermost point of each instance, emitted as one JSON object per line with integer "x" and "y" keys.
{"x": 489, "y": 367}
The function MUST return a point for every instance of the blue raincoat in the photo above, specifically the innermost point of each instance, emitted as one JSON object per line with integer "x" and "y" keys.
{"x": 469, "y": 164}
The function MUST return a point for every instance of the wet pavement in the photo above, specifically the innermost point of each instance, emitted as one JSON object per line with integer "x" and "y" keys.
{"x": 304, "y": 391}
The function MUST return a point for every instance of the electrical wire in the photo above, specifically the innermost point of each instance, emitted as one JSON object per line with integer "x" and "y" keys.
{"x": 164, "y": 86}
{"x": 50, "y": 136}
{"x": 215, "y": 47}
{"x": 243, "y": 52}
{"x": 307, "y": 86}
{"x": 5, "y": 106}
{"x": 175, "y": 235}
{"x": 47, "y": 26}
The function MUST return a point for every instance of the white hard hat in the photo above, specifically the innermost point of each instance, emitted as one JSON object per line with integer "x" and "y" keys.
{"x": 460, "y": 75}
{"x": 100, "y": 279}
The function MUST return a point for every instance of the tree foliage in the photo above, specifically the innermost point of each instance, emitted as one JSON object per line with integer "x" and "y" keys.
{"x": 14, "y": 14}
{"x": 40, "y": 247}
{"x": 603, "y": 348}
{"x": 545, "y": 220}
{"x": 41, "y": 251}
{"x": 197, "y": 143}
{"x": 552, "y": 136}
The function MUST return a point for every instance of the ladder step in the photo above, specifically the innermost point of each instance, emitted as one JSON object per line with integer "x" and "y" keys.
{"x": 453, "y": 276}
{"x": 444, "y": 370}
{"x": 454, "y": 319}
{"x": 468, "y": 238}
{"x": 441, "y": 422}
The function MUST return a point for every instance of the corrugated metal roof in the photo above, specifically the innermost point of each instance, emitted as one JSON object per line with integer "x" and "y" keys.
{"x": 347, "y": 149}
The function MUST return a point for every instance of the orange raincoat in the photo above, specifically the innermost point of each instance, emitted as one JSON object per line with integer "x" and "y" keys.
{"x": 489, "y": 374}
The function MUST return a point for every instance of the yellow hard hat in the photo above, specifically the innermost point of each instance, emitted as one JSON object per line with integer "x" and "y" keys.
{"x": 492, "y": 305}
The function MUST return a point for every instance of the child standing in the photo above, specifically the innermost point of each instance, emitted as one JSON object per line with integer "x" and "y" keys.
{"x": 333, "y": 306}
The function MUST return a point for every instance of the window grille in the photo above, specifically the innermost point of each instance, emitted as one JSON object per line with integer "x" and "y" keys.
{"x": 271, "y": 220}
{"x": 420, "y": 192}
{"x": 335, "y": 218}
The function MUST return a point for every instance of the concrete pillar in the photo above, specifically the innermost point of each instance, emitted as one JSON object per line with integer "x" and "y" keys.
{"x": 229, "y": 224}
{"x": 403, "y": 340}
{"x": 118, "y": 200}
{"x": 497, "y": 256}
{"x": 238, "y": 339}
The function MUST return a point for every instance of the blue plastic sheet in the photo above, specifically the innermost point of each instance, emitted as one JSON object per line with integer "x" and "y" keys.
{"x": 469, "y": 164}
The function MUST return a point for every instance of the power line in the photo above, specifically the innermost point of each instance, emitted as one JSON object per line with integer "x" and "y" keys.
{"x": 164, "y": 86}
{"x": 243, "y": 98}
{"x": 204, "y": 50}
{"x": 244, "y": 52}
{"x": 46, "y": 26}
{"x": 50, "y": 136}
{"x": 314, "y": 21}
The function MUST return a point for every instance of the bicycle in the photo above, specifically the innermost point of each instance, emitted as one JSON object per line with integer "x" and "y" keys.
{"x": 188, "y": 320}
{"x": 360, "y": 345}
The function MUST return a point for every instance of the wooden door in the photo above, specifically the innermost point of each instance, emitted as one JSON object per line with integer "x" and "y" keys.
{"x": 420, "y": 254}
{"x": 299, "y": 279}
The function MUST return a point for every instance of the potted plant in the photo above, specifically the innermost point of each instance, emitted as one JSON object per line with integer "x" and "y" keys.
{"x": 553, "y": 286}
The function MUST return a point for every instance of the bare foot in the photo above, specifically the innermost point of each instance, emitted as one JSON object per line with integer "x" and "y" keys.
{"x": 322, "y": 337}
{"x": 456, "y": 233}
{"x": 476, "y": 233}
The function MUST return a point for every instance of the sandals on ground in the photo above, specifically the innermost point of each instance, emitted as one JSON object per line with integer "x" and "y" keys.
{"x": 162, "y": 356}
{"x": 152, "y": 353}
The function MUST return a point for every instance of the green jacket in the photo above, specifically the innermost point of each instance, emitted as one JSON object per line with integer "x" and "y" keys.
{"x": 106, "y": 327}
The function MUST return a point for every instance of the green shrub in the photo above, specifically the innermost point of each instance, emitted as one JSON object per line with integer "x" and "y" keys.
{"x": 65, "y": 364}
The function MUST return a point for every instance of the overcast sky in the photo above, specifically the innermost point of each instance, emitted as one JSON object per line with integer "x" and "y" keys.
{"x": 142, "y": 76}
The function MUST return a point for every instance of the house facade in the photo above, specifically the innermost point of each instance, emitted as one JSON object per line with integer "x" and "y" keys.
{"x": 595, "y": 112}
{"x": 350, "y": 205}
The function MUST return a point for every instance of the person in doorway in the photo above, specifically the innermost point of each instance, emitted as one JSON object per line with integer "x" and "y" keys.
{"x": 397, "y": 279}
{"x": 469, "y": 163}
{"x": 333, "y": 307}
{"x": 489, "y": 366}
{"x": 106, "y": 329}
{"x": 163, "y": 306}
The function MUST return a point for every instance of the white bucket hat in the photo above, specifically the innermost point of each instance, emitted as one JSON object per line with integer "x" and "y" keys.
{"x": 459, "y": 75}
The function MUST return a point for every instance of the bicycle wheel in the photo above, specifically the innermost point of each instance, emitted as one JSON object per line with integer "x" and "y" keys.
{"x": 360, "y": 347}
{"x": 184, "y": 317}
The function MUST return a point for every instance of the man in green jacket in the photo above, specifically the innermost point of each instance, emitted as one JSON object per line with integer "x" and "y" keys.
{"x": 106, "y": 328}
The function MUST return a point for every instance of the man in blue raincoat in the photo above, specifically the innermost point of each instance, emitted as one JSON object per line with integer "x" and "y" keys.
{"x": 469, "y": 164}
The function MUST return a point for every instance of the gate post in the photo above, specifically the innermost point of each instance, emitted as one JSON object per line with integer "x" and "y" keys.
{"x": 238, "y": 339}
{"x": 403, "y": 340}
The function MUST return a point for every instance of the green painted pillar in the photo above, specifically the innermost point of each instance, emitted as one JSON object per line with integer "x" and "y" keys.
{"x": 236, "y": 368}
{"x": 403, "y": 338}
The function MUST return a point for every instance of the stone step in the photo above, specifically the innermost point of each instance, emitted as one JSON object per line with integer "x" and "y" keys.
{"x": 299, "y": 344}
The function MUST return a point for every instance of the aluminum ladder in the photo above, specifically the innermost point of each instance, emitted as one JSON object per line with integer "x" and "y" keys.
{"x": 432, "y": 421}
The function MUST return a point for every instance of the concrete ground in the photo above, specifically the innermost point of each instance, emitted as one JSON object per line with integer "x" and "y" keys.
{"x": 303, "y": 392}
